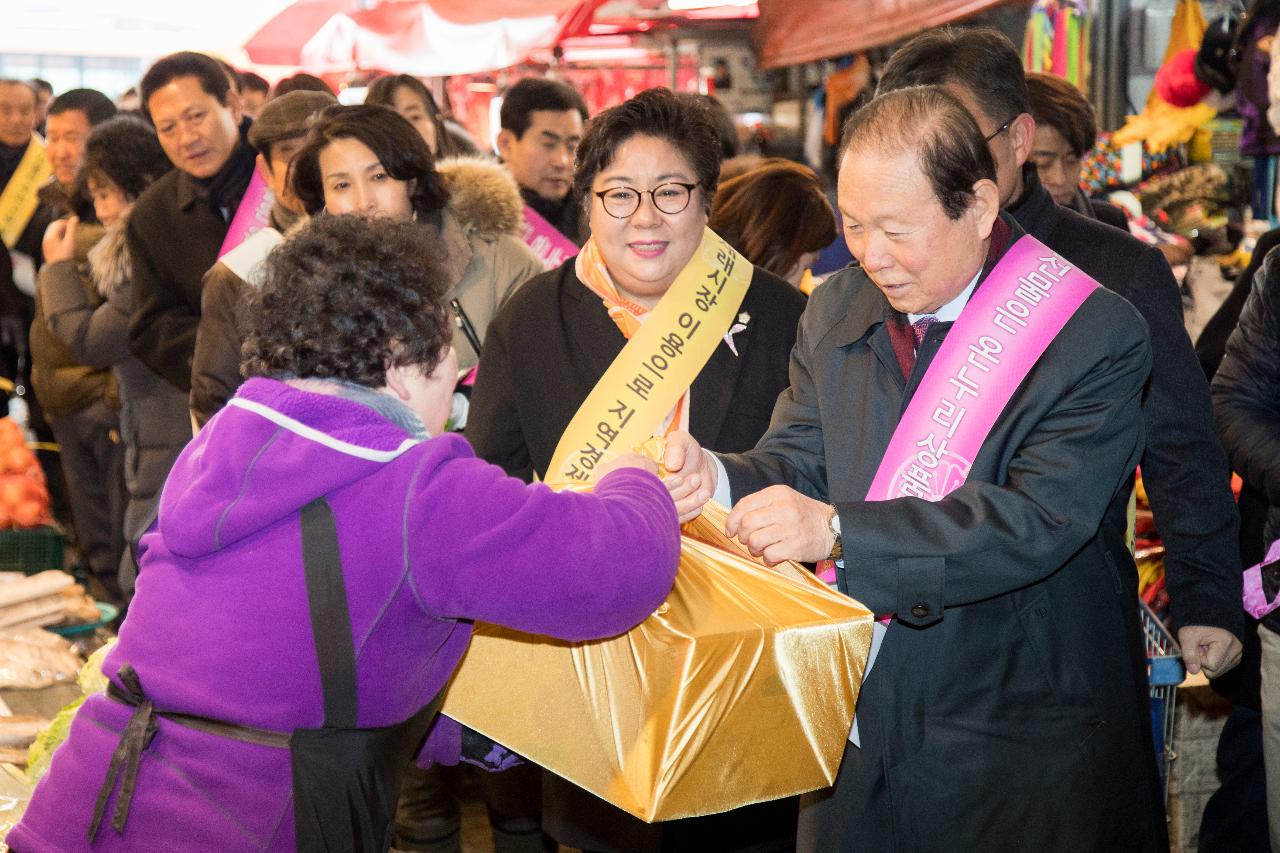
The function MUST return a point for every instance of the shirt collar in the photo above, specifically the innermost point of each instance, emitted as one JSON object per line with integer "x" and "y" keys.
{"x": 949, "y": 312}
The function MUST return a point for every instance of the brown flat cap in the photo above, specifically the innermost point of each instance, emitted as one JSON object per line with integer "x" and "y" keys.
{"x": 287, "y": 116}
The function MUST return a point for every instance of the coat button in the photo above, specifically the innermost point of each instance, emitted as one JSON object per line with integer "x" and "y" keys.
{"x": 920, "y": 610}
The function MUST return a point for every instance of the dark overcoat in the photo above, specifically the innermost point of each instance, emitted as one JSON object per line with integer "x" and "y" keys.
{"x": 1184, "y": 467}
{"x": 1008, "y": 707}
{"x": 174, "y": 235}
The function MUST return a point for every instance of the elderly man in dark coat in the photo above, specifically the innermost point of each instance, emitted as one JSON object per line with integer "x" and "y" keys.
{"x": 1007, "y": 707}
{"x": 1184, "y": 467}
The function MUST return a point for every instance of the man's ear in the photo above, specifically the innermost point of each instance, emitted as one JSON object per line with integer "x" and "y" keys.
{"x": 396, "y": 384}
{"x": 985, "y": 207}
{"x": 235, "y": 105}
{"x": 506, "y": 139}
{"x": 1022, "y": 135}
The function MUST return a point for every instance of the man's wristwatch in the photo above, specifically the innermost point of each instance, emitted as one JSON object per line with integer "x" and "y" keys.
{"x": 837, "y": 550}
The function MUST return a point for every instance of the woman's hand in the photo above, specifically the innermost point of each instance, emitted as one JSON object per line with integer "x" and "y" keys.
{"x": 627, "y": 460}
{"x": 691, "y": 474}
{"x": 60, "y": 240}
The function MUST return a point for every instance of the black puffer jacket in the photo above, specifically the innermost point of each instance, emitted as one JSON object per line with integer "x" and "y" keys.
{"x": 1246, "y": 395}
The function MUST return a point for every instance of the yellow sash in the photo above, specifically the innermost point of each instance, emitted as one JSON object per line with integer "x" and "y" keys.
{"x": 657, "y": 365}
{"x": 19, "y": 201}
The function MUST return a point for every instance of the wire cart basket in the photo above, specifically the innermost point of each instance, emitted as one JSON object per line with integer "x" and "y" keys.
{"x": 1164, "y": 674}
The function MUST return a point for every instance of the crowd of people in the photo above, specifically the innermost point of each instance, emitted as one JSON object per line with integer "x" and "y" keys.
{"x": 308, "y": 458}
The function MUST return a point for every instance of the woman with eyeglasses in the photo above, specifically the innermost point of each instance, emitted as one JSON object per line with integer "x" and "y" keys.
{"x": 647, "y": 169}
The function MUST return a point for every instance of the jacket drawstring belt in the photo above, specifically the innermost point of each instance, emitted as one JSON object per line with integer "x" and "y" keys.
{"x": 137, "y": 736}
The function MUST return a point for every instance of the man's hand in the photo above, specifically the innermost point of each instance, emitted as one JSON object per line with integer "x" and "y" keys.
{"x": 691, "y": 475}
{"x": 779, "y": 523}
{"x": 1215, "y": 650}
{"x": 60, "y": 240}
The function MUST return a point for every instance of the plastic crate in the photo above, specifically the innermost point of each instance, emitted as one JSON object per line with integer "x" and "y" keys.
{"x": 32, "y": 550}
{"x": 1164, "y": 674}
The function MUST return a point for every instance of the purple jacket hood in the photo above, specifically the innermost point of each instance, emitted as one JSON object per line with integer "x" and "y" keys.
{"x": 286, "y": 450}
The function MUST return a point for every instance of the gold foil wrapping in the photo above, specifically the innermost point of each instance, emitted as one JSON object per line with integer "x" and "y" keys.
{"x": 740, "y": 688}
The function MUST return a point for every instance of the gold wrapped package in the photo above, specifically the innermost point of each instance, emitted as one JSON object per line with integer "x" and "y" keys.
{"x": 739, "y": 689}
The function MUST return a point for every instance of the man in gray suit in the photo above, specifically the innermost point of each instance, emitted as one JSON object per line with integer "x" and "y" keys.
{"x": 1007, "y": 707}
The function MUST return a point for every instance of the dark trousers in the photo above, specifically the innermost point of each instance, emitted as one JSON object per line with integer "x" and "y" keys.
{"x": 93, "y": 464}
{"x": 1235, "y": 818}
{"x": 429, "y": 820}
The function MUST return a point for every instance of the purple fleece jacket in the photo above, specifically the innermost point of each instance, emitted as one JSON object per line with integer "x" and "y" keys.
{"x": 430, "y": 538}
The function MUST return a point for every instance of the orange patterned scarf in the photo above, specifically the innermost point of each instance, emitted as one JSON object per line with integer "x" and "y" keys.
{"x": 625, "y": 314}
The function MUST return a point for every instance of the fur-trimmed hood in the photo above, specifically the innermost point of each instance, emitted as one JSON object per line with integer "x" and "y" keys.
{"x": 483, "y": 196}
{"x": 109, "y": 262}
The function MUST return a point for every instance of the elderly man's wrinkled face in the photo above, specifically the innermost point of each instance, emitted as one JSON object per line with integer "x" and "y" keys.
{"x": 900, "y": 233}
{"x": 17, "y": 114}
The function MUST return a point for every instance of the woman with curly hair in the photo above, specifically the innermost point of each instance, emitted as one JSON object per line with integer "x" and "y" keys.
{"x": 321, "y": 552}
{"x": 88, "y": 311}
{"x": 370, "y": 161}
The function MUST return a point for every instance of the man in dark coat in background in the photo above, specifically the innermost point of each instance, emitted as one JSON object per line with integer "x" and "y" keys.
{"x": 1007, "y": 708}
{"x": 1184, "y": 468}
{"x": 178, "y": 225}
{"x": 541, "y": 128}
{"x": 277, "y": 136}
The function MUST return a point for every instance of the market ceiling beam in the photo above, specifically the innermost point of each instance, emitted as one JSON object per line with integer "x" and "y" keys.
{"x": 790, "y": 33}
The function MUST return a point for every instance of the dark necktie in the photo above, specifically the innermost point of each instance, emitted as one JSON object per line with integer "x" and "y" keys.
{"x": 920, "y": 327}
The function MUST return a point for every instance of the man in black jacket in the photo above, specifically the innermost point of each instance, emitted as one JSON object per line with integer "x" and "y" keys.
{"x": 178, "y": 225}
{"x": 1246, "y": 395}
{"x": 1184, "y": 467}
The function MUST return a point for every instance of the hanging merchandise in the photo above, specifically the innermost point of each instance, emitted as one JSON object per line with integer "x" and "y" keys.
{"x": 1258, "y": 138}
{"x": 1057, "y": 40}
{"x": 842, "y": 90}
{"x": 1161, "y": 124}
{"x": 1104, "y": 168}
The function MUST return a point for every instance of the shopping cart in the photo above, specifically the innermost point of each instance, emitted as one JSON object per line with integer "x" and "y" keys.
{"x": 1164, "y": 674}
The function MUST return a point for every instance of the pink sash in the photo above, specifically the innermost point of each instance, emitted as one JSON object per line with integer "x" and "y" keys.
{"x": 253, "y": 214}
{"x": 1007, "y": 325}
{"x": 551, "y": 247}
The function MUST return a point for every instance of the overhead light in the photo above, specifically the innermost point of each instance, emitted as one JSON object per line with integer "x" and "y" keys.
{"x": 686, "y": 5}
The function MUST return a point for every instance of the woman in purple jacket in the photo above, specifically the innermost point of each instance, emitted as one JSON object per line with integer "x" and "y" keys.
{"x": 314, "y": 571}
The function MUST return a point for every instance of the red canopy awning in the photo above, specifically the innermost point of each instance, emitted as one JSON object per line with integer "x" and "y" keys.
{"x": 790, "y": 32}
{"x": 426, "y": 37}
{"x": 276, "y": 43}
